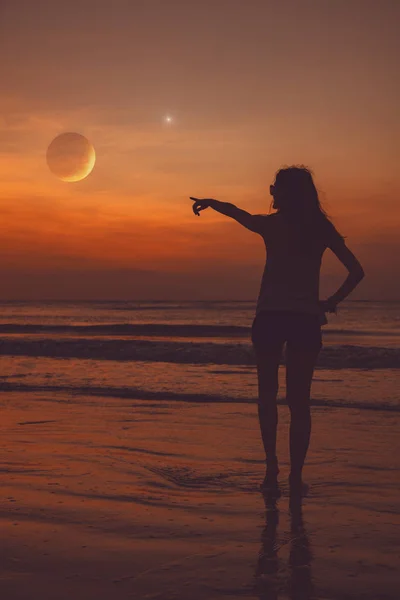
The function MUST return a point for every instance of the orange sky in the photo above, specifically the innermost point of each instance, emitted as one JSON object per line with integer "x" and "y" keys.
{"x": 251, "y": 86}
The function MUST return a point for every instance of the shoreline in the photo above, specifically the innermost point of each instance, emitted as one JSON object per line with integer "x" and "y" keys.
{"x": 130, "y": 393}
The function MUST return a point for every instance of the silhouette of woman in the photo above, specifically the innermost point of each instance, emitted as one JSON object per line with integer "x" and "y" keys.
{"x": 288, "y": 307}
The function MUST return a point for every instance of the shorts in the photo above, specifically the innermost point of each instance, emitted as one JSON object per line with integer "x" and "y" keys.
{"x": 300, "y": 331}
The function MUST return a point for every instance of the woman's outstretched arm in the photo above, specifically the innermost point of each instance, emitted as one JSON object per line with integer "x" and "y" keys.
{"x": 253, "y": 222}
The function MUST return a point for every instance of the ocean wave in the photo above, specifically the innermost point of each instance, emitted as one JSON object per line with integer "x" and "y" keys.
{"x": 167, "y": 330}
{"x": 129, "y": 329}
{"x": 185, "y": 352}
{"x": 137, "y": 393}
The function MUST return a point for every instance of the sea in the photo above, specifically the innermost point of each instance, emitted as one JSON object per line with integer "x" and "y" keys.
{"x": 194, "y": 351}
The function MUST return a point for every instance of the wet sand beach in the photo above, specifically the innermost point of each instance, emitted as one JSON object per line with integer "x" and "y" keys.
{"x": 110, "y": 498}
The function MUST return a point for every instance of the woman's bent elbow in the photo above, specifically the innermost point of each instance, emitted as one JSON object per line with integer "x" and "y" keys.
{"x": 359, "y": 274}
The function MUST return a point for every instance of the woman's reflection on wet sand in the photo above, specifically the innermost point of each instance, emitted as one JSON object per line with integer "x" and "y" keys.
{"x": 275, "y": 579}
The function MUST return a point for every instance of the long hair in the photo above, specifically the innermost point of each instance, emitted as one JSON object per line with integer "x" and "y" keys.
{"x": 296, "y": 198}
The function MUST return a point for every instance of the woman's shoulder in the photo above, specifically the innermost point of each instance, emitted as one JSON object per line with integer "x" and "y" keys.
{"x": 271, "y": 226}
{"x": 271, "y": 218}
{"x": 274, "y": 219}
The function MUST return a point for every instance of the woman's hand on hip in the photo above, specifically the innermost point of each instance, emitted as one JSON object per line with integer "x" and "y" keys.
{"x": 327, "y": 306}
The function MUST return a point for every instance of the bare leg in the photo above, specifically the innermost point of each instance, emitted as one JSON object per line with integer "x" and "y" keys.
{"x": 300, "y": 365}
{"x": 267, "y": 371}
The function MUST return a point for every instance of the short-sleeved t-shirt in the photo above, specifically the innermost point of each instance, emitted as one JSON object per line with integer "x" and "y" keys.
{"x": 290, "y": 281}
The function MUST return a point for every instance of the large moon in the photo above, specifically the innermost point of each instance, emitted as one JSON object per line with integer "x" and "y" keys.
{"x": 71, "y": 157}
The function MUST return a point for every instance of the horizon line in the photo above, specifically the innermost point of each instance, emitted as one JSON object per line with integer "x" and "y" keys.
{"x": 254, "y": 300}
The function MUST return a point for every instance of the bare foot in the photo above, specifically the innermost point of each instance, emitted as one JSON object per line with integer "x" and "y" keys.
{"x": 270, "y": 485}
{"x": 297, "y": 486}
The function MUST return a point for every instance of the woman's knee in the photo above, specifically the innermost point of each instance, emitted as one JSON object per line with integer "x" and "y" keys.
{"x": 267, "y": 394}
{"x": 268, "y": 412}
{"x": 299, "y": 408}
{"x": 268, "y": 381}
